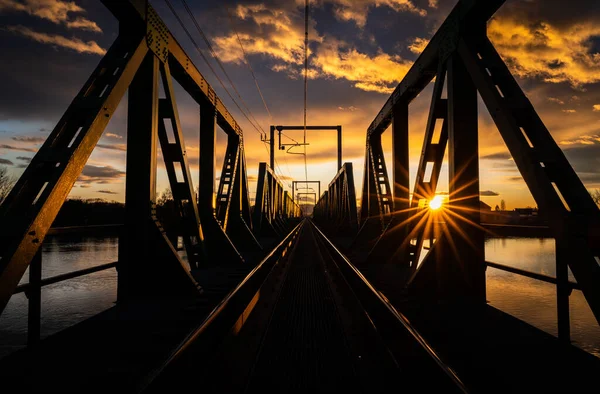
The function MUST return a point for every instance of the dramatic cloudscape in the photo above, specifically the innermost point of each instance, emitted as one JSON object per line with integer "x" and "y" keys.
{"x": 359, "y": 50}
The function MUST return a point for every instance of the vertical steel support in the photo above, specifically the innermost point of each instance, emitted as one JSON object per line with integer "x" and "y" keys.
{"x": 563, "y": 290}
{"x": 34, "y": 296}
{"x": 208, "y": 142}
{"x": 463, "y": 274}
{"x": 400, "y": 157}
{"x": 339, "y": 147}
{"x": 272, "y": 147}
{"x": 387, "y": 246}
{"x": 137, "y": 241}
{"x": 148, "y": 263}
{"x": 218, "y": 245}
{"x": 178, "y": 172}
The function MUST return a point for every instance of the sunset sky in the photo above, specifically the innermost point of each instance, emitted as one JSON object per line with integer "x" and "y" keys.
{"x": 359, "y": 51}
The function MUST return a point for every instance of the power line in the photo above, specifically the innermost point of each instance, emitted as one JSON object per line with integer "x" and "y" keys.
{"x": 208, "y": 63}
{"x": 216, "y": 57}
{"x": 248, "y": 63}
{"x": 261, "y": 132}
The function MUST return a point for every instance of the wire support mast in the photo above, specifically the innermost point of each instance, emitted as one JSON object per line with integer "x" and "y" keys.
{"x": 306, "y": 11}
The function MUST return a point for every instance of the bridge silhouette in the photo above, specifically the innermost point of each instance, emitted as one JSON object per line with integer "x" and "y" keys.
{"x": 387, "y": 296}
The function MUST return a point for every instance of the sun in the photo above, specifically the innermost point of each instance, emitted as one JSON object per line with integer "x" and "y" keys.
{"x": 436, "y": 203}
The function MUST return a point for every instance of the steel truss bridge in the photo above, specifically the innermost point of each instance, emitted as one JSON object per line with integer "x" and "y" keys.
{"x": 369, "y": 299}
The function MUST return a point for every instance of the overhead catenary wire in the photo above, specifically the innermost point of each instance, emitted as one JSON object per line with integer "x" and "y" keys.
{"x": 216, "y": 57}
{"x": 172, "y": 9}
{"x": 248, "y": 63}
{"x": 197, "y": 47}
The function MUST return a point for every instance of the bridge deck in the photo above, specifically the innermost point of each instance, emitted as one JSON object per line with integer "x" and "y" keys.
{"x": 307, "y": 334}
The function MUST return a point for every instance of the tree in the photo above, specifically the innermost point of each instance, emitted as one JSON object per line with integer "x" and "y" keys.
{"x": 6, "y": 183}
{"x": 165, "y": 197}
{"x": 595, "y": 196}
{"x": 497, "y": 208}
{"x": 502, "y": 205}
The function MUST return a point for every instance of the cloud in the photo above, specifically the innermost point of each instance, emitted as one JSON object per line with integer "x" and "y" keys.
{"x": 373, "y": 73}
{"x": 351, "y": 108}
{"x": 418, "y": 45}
{"x": 596, "y": 108}
{"x": 268, "y": 31}
{"x": 19, "y": 148}
{"x": 585, "y": 160}
{"x": 556, "y": 100}
{"x": 582, "y": 140}
{"x": 100, "y": 175}
{"x": 433, "y": 3}
{"x": 111, "y": 135}
{"x": 107, "y": 192}
{"x": 73, "y": 43}
{"x": 56, "y": 11}
{"x": 32, "y": 140}
{"x": 488, "y": 193}
{"x": 24, "y": 158}
{"x": 6, "y": 161}
{"x": 569, "y": 111}
{"x": 121, "y": 147}
{"x": 273, "y": 33}
{"x": 357, "y": 11}
{"x": 497, "y": 156}
{"x": 542, "y": 50}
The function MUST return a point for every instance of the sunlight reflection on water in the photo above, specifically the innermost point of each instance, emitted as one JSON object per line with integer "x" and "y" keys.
{"x": 531, "y": 300}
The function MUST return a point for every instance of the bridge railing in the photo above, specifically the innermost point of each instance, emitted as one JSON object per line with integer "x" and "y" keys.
{"x": 274, "y": 209}
{"x": 33, "y": 289}
{"x": 335, "y": 211}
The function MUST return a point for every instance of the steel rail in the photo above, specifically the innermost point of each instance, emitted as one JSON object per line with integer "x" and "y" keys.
{"x": 348, "y": 268}
{"x": 218, "y": 321}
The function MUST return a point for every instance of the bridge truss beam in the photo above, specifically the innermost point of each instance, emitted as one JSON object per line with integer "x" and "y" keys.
{"x": 335, "y": 211}
{"x": 454, "y": 266}
{"x": 274, "y": 209}
{"x": 144, "y": 53}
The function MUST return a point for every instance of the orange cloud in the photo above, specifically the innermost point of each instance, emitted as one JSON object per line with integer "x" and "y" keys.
{"x": 545, "y": 51}
{"x": 379, "y": 73}
{"x": 56, "y": 11}
{"x": 71, "y": 43}
{"x": 358, "y": 10}
{"x": 282, "y": 39}
{"x": 418, "y": 45}
{"x": 583, "y": 140}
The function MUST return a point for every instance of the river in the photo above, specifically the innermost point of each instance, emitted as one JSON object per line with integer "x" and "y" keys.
{"x": 71, "y": 301}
